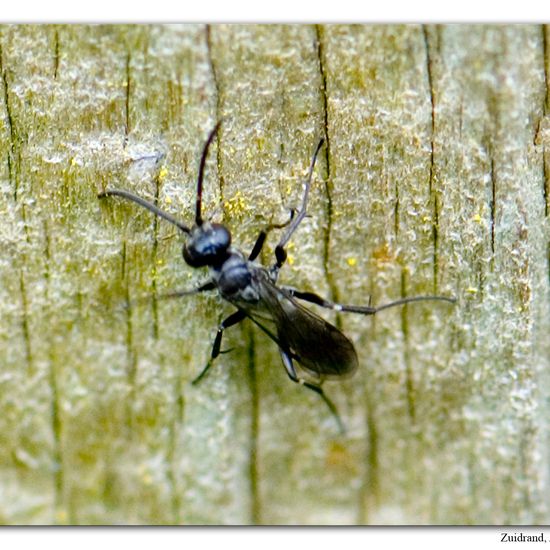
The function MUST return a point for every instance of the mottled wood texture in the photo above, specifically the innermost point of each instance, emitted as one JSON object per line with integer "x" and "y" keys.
{"x": 434, "y": 180}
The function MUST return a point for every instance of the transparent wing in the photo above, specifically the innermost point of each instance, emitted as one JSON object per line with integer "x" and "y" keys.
{"x": 319, "y": 347}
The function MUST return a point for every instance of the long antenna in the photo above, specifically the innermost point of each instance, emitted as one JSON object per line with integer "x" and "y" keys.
{"x": 415, "y": 299}
{"x": 302, "y": 212}
{"x": 145, "y": 204}
{"x": 198, "y": 218}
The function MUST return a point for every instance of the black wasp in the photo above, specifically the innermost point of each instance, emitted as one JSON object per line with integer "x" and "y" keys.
{"x": 322, "y": 350}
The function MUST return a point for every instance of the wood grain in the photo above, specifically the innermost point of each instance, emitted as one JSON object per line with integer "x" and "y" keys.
{"x": 434, "y": 180}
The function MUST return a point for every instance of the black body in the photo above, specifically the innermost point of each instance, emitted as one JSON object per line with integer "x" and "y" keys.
{"x": 321, "y": 349}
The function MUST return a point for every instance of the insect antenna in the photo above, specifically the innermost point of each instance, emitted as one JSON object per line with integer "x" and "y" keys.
{"x": 146, "y": 204}
{"x": 415, "y": 299}
{"x": 364, "y": 310}
{"x": 198, "y": 205}
{"x": 302, "y": 212}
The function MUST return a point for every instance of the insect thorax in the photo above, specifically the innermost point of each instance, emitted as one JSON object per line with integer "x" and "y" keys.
{"x": 235, "y": 280}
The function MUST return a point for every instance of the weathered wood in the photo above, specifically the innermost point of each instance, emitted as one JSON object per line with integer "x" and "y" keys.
{"x": 433, "y": 180}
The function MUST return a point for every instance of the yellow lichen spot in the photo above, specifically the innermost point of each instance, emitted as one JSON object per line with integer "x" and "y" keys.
{"x": 160, "y": 262}
{"x": 290, "y": 259}
{"x": 73, "y": 161}
{"x": 145, "y": 474}
{"x": 383, "y": 254}
{"x": 426, "y": 219}
{"x": 236, "y": 205}
{"x": 147, "y": 479}
{"x": 339, "y": 458}
{"x": 163, "y": 173}
{"x": 471, "y": 290}
{"x": 477, "y": 218}
{"x": 168, "y": 200}
{"x": 351, "y": 261}
{"x": 261, "y": 143}
{"x": 61, "y": 516}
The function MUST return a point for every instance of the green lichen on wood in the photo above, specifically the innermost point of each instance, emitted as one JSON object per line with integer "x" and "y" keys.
{"x": 432, "y": 180}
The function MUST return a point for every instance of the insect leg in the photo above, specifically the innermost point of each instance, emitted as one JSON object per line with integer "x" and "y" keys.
{"x": 280, "y": 252}
{"x": 291, "y": 371}
{"x": 316, "y": 299}
{"x": 365, "y": 310}
{"x": 258, "y": 245}
{"x": 233, "y": 319}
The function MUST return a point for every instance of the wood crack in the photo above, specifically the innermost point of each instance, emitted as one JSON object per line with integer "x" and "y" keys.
{"x": 431, "y": 176}
{"x": 333, "y": 289}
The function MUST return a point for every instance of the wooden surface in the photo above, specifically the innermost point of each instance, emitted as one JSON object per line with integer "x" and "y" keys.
{"x": 434, "y": 179}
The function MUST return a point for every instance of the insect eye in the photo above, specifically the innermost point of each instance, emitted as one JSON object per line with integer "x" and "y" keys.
{"x": 208, "y": 245}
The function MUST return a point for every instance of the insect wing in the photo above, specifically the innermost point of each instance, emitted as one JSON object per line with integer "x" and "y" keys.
{"x": 319, "y": 347}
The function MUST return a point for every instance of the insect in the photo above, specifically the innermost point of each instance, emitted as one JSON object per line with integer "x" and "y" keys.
{"x": 322, "y": 350}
